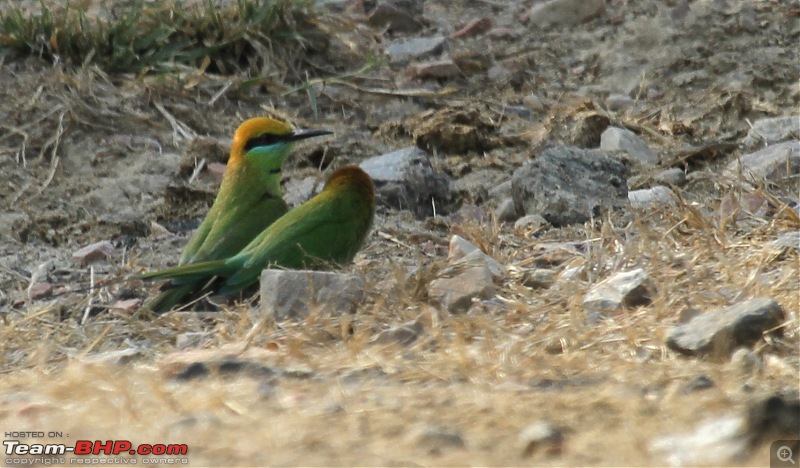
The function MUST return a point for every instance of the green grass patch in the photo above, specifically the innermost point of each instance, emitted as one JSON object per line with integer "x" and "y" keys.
{"x": 143, "y": 37}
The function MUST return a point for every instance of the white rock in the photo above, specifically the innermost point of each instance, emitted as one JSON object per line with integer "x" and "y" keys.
{"x": 296, "y": 293}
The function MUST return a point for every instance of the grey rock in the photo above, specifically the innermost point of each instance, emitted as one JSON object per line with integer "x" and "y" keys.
{"x": 621, "y": 139}
{"x": 565, "y": 12}
{"x": 530, "y": 222}
{"x": 95, "y": 252}
{"x": 674, "y": 176}
{"x": 296, "y": 293}
{"x": 773, "y": 130}
{"x": 534, "y": 102}
{"x": 393, "y": 16}
{"x": 297, "y": 192}
{"x": 538, "y": 278}
{"x": 655, "y": 197}
{"x": 568, "y": 185}
{"x": 701, "y": 382}
{"x": 405, "y": 179}
{"x": 628, "y": 289}
{"x": 501, "y": 190}
{"x": 787, "y": 240}
{"x": 457, "y": 285}
{"x": 402, "y": 51}
{"x": 445, "y": 68}
{"x": 746, "y": 363}
{"x": 541, "y": 436}
{"x": 434, "y": 439}
{"x": 404, "y": 334}
{"x": 773, "y": 163}
{"x": 618, "y": 102}
{"x": 723, "y": 330}
{"x": 462, "y": 250}
{"x": 506, "y": 211}
{"x": 715, "y": 442}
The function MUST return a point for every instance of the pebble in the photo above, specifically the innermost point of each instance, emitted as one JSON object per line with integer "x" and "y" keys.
{"x": 541, "y": 436}
{"x": 618, "y": 102}
{"x": 461, "y": 249}
{"x": 673, "y": 176}
{"x": 401, "y": 51}
{"x": 565, "y": 12}
{"x": 623, "y": 290}
{"x": 434, "y": 439}
{"x": 655, "y": 197}
{"x": 622, "y": 139}
{"x": 458, "y": 284}
{"x": 474, "y": 28}
{"x": 773, "y": 163}
{"x": 444, "y": 68}
{"x": 506, "y": 211}
{"x": 724, "y": 330}
{"x": 92, "y": 253}
{"x": 295, "y": 293}
{"x": 404, "y": 334}
{"x": 772, "y": 130}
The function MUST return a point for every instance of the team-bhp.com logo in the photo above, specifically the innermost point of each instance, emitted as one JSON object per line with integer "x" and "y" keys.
{"x": 94, "y": 447}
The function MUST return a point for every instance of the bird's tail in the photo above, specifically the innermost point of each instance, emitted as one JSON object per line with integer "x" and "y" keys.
{"x": 189, "y": 273}
{"x": 169, "y": 298}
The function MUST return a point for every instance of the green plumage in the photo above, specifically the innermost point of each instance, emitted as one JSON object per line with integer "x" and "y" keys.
{"x": 248, "y": 201}
{"x": 326, "y": 231}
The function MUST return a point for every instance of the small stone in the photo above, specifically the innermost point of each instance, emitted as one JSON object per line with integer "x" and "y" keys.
{"x": 772, "y": 163}
{"x": 94, "y": 252}
{"x": 296, "y": 293}
{"x": 701, "y": 382}
{"x": 404, "y": 334}
{"x": 539, "y": 278}
{"x": 715, "y": 442}
{"x": 565, "y": 12}
{"x": 158, "y": 231}
{"x": 128, "y": 305}
{"x": 723, "y": 330}
{"x": 787, "y": 241}
{"x": 462, "y": 250}
{"x": 674, "y": 176}
{"x": 534, "y": 102}
{"x": 541, "y": 436}
{"x": 435, "y": 439}
{"x": 405, "y": 179}
{"x": 39, "y": 290}
{"x": 297, "y": 192}
{"x": 506, "y": 211}
{"x": 388, "y": 15}
{"x": 773, "y": 130}
{"x": 458, "y": 284}
{"x": 401, "y": 51}
{"x": 473, "y": 28}
{"x": 568, "y": 185}
{"x": 444, "y": 68}
{"x": 655, "y": 197}
{"x": 618, "y": 102}
{"x": 499, "y": 74}
{"x": 530, "y": 222}
{"x": 621, "y": 139}
{"x": 628, "y": 289}
{"x": 502, "y": 33}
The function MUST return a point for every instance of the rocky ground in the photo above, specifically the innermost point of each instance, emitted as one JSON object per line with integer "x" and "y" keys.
{"x": 585, "y": 253}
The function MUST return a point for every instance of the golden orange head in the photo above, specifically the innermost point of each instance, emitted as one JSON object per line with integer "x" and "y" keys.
{"x": 263, "y": 132}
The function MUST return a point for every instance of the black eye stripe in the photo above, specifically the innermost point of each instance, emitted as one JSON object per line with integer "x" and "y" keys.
{"x": 265, "y": 139}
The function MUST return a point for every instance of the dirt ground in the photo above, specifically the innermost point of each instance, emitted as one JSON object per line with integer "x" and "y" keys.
{"x": 87, "y": 156}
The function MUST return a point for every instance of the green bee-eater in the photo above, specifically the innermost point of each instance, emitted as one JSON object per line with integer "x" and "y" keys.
{"x": 325, "y": 231}
{"x": 249, "y": 200}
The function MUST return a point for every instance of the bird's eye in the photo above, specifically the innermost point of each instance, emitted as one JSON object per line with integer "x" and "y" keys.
{"x": 265, "y": 139}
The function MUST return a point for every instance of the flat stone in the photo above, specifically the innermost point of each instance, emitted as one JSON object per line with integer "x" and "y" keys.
{"x": 92, "y": 253}
{"x": 461, "y": 249}
{"x": 506, "y": 211}
{"x": 296, "y": 293}
{"x": 721, "y": 331}
{"x": 541, "y": 436}
{"x": 673, "y": 176}
{"x": 39, "y": 290}
{"x": 627, "y": 289}
{"x": 405, "y": 180}
{"x": 404, "y": 334}
{"x": 618, "y": 102}
{"x": 621, "y": 139}
{"x": 404, "y": 50}
{"x": 773, "y": 130}
{"x": 565, "y": 12}
{"x": 568, "y": 185}
{"x": 458, "y": 284}
{"x": 444, "y": 68}
{"x": 773, "y": 163}
{"x": 538, "y": 278}
{"x": 655, "y": 197}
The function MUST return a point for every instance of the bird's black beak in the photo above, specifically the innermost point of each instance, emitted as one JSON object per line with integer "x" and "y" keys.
{"x": 302, "y": 134}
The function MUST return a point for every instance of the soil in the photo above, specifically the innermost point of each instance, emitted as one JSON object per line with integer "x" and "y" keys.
{"x": 88, "y": 156}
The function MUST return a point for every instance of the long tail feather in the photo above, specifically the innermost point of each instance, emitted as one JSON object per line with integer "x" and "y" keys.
{"x": 190, "y": 272}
